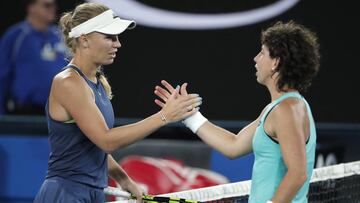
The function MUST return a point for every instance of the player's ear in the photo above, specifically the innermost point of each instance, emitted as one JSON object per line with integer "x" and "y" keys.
{"x": 276, "y": 63}
{"x": 84, "y": 41}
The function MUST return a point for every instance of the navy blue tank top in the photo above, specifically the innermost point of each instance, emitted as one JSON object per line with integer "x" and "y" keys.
{"x": 72, "y": 155}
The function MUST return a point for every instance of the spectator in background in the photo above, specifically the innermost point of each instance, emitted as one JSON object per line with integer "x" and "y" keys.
{"x": 32, "y": 52}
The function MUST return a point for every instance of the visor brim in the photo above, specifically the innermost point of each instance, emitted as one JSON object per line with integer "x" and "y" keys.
{"x": 117, "y": 26}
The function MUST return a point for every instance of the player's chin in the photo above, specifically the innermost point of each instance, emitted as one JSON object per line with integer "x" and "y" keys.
{"x": 258, "y": 79}
{"x": 108, "y": 61}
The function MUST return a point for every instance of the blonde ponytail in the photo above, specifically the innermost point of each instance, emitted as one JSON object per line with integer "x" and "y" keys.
{"x": 66, "y": 24}
{"x": 101, "y": 76}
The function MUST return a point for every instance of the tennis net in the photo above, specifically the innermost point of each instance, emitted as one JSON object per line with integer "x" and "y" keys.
{"x": 333, "y": 184}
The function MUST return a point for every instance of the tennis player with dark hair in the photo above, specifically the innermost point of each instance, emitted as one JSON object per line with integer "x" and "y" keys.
{"x": 80, "y": 115}
{"x": 283, "y": 137}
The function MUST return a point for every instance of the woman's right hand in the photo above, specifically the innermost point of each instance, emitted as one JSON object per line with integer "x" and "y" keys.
{"x": 177, "y": 107}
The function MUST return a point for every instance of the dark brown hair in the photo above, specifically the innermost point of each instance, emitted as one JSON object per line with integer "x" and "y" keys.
{"x": 297, "y": 49}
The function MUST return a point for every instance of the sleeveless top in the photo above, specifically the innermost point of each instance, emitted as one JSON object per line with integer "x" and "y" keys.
{"x": 269, "y": 168}
{"x": 72, "y": 155}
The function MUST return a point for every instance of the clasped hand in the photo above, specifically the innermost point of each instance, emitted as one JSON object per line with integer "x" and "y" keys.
{"x": 176, "y": 103}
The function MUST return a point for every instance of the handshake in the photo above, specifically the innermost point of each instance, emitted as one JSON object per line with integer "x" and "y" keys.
{"x": 192, "y": 119}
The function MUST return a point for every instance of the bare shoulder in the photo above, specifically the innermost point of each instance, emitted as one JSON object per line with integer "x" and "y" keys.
{"x": 289, "y": 109}
{"x": 68, "y": 82}
{"x": 66, "y": 77}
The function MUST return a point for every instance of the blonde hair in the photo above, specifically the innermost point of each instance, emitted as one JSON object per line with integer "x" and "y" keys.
{"x": 80, "y": 14}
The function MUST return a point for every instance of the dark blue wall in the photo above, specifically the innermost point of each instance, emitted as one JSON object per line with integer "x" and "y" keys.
{"x": 24, "y": 157}
{"x": 23, "y": 164}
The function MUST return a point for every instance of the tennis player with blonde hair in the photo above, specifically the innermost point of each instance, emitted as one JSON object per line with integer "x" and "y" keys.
{"x": 80, "y": 115}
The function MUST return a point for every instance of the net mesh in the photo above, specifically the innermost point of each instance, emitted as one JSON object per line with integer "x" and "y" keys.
{"x": 333, "y": 184}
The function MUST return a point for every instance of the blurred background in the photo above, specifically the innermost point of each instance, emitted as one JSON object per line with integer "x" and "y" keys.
{"x": 210, "y": 45}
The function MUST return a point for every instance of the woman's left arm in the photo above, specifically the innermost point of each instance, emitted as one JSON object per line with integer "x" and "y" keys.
{"x": 289, "y": 128}
{"x": 120, "y": 176}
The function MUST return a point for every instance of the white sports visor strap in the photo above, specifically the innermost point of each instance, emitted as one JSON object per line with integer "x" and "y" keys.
{"x": 107, "y": 22}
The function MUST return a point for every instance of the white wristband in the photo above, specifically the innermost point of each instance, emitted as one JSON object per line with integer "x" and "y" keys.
{"x": 269, "y": 201}
{"x": 195, "y": 121}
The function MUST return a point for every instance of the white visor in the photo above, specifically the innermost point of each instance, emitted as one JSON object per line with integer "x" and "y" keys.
{"x": 107, "y": 22}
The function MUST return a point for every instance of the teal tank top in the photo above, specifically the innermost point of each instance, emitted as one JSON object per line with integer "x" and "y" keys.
{"x": 269, "y": 167}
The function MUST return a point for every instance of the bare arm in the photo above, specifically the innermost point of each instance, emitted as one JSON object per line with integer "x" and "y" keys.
{"x": 115, "y": 171}
{"x": 120, "y": 176}
{"x": 289, "y": 129}
{"x": 71, "y": 92}
{"x": 228, "y": 143}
